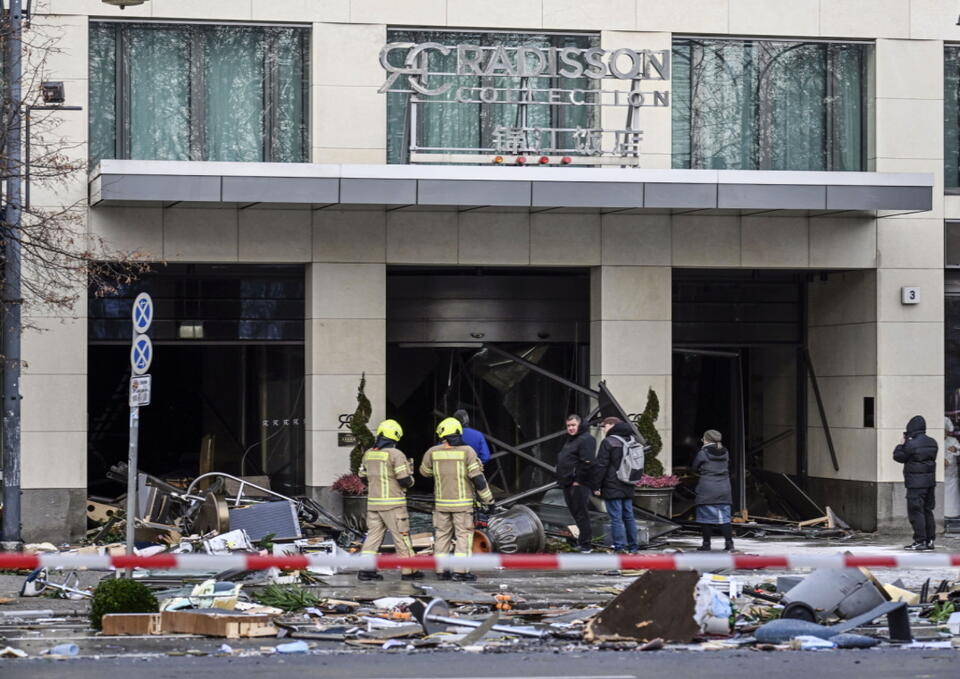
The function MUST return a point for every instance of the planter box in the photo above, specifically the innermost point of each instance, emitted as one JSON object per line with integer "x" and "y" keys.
{"x": 656, "y": 500}
{"x": 355, "y": 512}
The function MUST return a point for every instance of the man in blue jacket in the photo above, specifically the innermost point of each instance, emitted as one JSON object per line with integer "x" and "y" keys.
{"x": 472, "y": 437}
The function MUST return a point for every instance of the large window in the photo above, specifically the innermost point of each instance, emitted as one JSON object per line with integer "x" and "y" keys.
{"x": 769, "y": 105}
{"x": 198, "y": 92}
{"x": 450, "y": 126}
{"x": 951, "y": 117}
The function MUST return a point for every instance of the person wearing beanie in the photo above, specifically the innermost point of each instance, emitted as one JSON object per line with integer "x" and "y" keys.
{"x": 714, "y": 495}
{"x": 389, "y": 474}
{"x": 472, "y": 437}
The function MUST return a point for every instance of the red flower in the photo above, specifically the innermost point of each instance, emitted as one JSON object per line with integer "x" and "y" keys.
{"x": 350, "y": 484}
{"x": 665, "y": 481}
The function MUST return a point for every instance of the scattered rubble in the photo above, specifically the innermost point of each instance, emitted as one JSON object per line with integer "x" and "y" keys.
{"x": 651, "y": 611}
{"x": 323, "y": 608}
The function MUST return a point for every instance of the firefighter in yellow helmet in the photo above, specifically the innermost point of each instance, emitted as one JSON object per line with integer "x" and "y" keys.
{"x": 457, "y": 472}
{"x": 388, "y": 474}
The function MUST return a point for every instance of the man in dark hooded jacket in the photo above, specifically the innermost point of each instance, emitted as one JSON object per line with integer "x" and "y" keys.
{"x": 617, "y": 495}
{"x": 918, "y": 455}
{"x": 574, "y": 466}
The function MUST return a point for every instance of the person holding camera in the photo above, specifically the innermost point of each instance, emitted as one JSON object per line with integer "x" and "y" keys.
{"x": 917, "y": 453}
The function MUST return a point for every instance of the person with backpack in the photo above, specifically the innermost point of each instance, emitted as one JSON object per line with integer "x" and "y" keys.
{"x": 714, "y": 494}
{"x": 619, "y": 465}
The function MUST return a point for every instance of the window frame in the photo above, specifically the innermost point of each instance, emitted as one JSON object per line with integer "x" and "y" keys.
{"x": 830, "y": 150}
{"x": 948, "y": 189}
{"x": 271, "y": 83}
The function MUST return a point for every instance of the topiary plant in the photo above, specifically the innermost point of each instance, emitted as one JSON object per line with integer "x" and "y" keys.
{"x": 358, "y": 427}
{"x": 120, "y": 596}
{"x": 645, "y": 423}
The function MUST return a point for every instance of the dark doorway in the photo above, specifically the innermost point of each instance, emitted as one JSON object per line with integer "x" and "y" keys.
{"x": 708, "y": 394}
{"x": 244, "y": 402}
{"x": 736, "y": 368}
{"x": 505, "y": 401}
{"x": 437, "y": 323}
{"x": 228, "y": 376}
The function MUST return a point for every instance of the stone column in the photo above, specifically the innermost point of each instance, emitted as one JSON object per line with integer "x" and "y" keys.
{"x": 910, "y": 346}
{"x": 630, "y": 316}
{"x": 345, "y": 332}
{"x": 655, "y": 149}
{"x": 54, "y": 375}
{"x": 349, "y": 116}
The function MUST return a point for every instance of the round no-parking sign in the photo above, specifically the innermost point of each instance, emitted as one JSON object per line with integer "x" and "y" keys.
{"x": 142, "y": 314}
{"x": 141, "y": 354}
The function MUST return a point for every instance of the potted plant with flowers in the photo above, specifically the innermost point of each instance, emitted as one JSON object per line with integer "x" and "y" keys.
{"x": 654, "y": 489}
{"x": 351, "y": 487}
{"x": 353, "y": 491}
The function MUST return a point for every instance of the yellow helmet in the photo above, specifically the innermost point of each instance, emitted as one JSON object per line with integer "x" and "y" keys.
{"x": 449, "y": 427}
{"x": 390, "y": 429}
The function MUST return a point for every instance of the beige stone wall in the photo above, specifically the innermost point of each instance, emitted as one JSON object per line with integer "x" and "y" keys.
{"x": 901, "y": 19}
{"x": 54, "y": 342}
{"x": 842, "y": 336}
{"x": 910, "y": 344}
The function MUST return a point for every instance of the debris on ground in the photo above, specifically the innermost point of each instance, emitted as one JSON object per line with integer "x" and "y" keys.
{"x": 305, "y": 610}
{"x": 658, "y": 604}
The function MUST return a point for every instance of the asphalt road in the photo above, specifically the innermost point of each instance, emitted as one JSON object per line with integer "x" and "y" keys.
{"x": 574, "y": 664}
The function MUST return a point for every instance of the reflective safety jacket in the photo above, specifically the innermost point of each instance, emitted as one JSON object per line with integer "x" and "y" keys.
{"x": 452, "y": 469}
{"x": 382, "y": 468}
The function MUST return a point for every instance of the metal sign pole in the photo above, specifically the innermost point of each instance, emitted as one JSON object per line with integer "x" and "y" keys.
{"x": 141, "y": 355}
{"x": 132, "y": 479}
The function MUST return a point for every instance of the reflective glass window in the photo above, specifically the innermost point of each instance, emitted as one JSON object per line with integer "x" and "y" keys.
{"x": 769, "y": 105}
{"x": 198, "y": 92}
{"x": 951, "y": 119}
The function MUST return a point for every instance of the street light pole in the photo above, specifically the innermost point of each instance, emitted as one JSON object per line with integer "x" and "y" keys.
{"x": 11, "y": 283}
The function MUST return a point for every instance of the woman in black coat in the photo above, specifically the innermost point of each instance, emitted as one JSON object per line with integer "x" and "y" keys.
{"x": 714, "y": 495}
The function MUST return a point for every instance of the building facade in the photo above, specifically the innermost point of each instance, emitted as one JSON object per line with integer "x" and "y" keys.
{"x": 334, "y": 190}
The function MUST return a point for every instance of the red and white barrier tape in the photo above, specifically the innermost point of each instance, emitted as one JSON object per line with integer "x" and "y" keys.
{"x": 704, "y": 561}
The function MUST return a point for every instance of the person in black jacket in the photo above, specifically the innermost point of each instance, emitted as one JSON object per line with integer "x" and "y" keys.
{"x": 574, "y": 465}
{"x": 918, "y": 455}
{"x": 714, "y": 495}
{"x": 617, "y": 495}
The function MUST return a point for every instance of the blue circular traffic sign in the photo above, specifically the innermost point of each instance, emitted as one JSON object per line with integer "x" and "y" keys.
{"x": 141, "y": 354}
{"x": 142, "y": 313}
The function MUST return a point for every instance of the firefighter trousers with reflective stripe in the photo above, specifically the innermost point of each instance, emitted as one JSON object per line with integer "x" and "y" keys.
{"x": 395, "y": 520}
{"x": 453, "y": 529}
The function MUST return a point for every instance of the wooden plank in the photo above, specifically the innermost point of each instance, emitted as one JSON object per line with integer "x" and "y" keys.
{"x": 135, "y": 624}
{"x": 813, "y": 522}
{"x": 835, "y": 521}
{"x": 211, "y": 624}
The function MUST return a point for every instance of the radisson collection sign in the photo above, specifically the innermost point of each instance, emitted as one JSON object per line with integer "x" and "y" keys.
{"x": 515, "y": 75}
